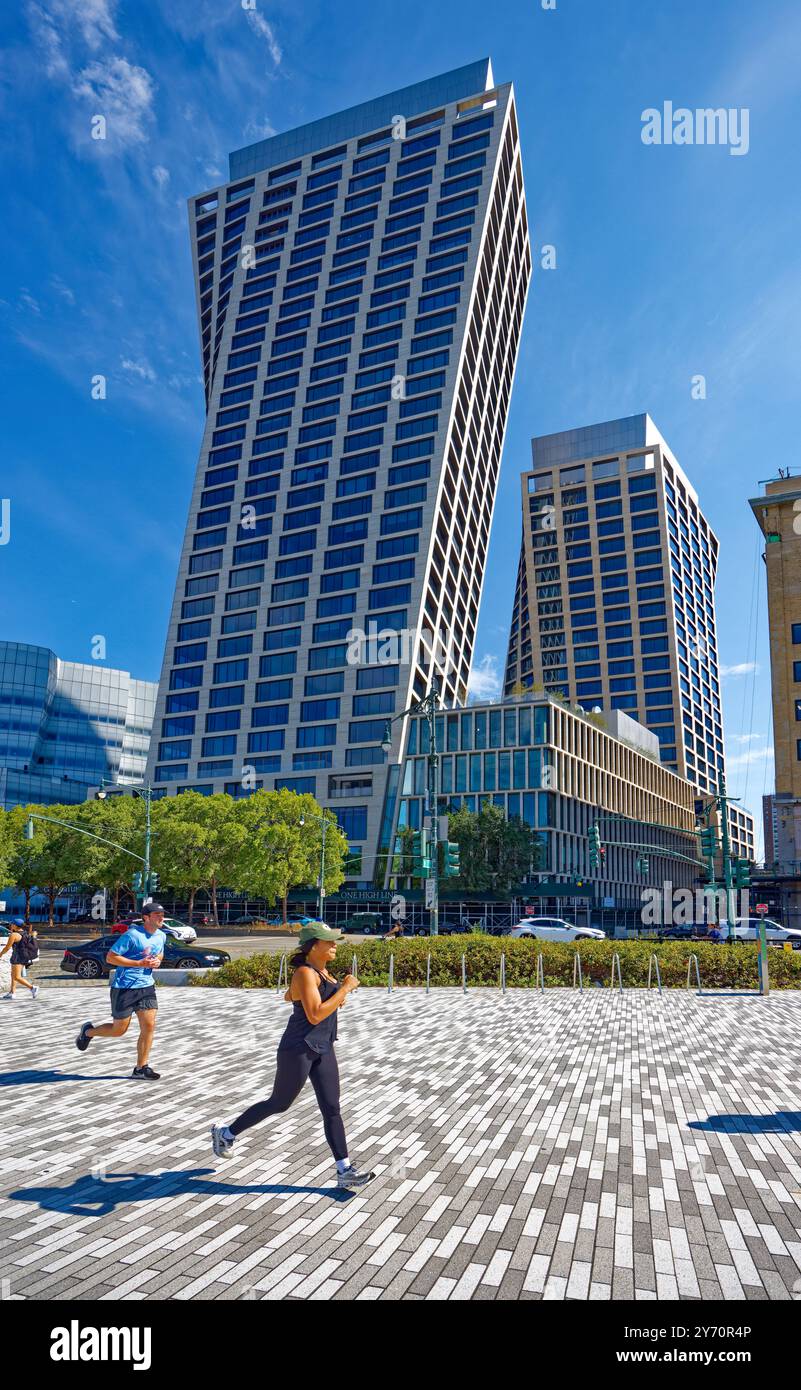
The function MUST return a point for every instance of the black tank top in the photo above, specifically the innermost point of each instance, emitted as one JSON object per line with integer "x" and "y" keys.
{"x": 300, "y": 1034}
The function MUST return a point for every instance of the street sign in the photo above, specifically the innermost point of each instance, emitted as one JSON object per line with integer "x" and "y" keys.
{"x": 431, "y": 889}
{"x": 762, "y": 908}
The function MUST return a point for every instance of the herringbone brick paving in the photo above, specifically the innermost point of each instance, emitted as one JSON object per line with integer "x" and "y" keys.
{"x": 529, "y": 1146}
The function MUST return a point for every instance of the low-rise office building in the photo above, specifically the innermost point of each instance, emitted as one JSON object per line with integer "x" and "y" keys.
{"x": 65, "y": 725}
{"x": 560, "y": 770}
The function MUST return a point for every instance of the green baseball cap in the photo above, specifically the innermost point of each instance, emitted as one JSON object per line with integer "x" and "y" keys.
{"x": 318, "y": 931}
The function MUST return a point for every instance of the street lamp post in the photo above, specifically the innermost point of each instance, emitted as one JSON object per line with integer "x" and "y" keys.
{"x": 428, "y": 707}
{"x": 324, "y": 822}
{"x": 143, "y": 793}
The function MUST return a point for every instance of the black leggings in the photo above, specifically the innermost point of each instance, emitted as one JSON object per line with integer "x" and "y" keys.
{"x": 294, "y": 1070}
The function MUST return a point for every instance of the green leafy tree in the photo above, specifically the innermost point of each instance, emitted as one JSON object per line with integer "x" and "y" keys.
{"x": 217, "y": 834}
{"x": 495, "y": 854}
{"x": 196, "y": 842}
{"x": 56, "y": 855}
{"x": 280, "y": 853}
{"x": 121, "y": 821}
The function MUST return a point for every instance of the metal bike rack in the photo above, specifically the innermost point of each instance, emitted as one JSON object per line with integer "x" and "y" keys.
{"x": 354, "y": 965}
{"x": 283, "y": 974}
{"x": 539, "y": 978}
{"x": 428, "y": 973}
{"x": 464, "y": 976}
{"x": 653, "y": 961}
{"x": 577, "y": 975}
{"x": 616, "y": 958}
{"x": 697, "y": 972}
{"x": 503, "y": 972}
{"x": 391, "y": 974}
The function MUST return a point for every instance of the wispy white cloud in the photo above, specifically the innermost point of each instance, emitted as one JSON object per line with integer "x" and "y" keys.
{"x": 141, "y": 369}
{"x": 744, "y": 668}
{"x": 28, "y": 302}
{"x": 161, "y": 175}
{"x": 265, "y": 31}
{"x": 485, "y": 679}
{"x": 61, "y": 289}
{"x": 749, "y": 756}
{"x": 123, "y": 93}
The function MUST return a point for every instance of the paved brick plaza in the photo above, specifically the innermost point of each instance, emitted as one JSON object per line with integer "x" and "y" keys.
{"x": 527, "y": 1147}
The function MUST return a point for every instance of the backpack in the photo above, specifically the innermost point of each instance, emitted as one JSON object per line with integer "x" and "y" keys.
{"x": 26, "y": 948}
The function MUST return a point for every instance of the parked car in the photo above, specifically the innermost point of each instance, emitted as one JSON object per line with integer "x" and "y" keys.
{"x": 556, "y": 929}
{"x": 179, "y": 930}
{"x": 88, "y": 961}
{"x": 363, "y": 923}
{"x": 747, "y": 929}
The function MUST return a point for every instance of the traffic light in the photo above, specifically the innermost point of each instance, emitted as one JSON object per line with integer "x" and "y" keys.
{"x": 137, "y": 882}
{"x": 451, "y": 859}
{"x": 153, "y": 883}
{"x": 709, "y": 841}
{"x": 742, "y": 873}
{"x": 421, "y": 858}
{"x": 642, "y": 864}
{"x": 595, "y": 846}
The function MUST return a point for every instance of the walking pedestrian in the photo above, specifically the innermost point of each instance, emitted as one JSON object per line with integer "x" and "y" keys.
{"x": 24, "y": 951}
{"x": 306, "y": 1051}
{"x": 137, "y": 953}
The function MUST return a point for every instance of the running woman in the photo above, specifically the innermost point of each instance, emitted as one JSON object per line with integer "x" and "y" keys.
{"x": 24, "y": 950}
{"x": 138, "y": 953}
{"x": 306, "y": 1051}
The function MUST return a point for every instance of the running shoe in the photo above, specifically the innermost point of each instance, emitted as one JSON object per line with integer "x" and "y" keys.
{"x": 34, "y": 991}
{"x": 8, "y": 996}
{"x": 145, "y": 1074}
{"x": 223, "y": 1148}
{"x": 82, "y": 1042}
{"x": 353, "y": 1178}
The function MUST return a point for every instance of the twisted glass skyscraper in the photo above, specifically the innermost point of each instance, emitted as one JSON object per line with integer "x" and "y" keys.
{"x": 361, "y": 283}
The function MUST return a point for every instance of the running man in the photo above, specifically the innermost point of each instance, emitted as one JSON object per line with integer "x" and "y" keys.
{"x": 138, "y": 953}
{"x": 306, "y": 1051}
{"x": 24, "y": 949}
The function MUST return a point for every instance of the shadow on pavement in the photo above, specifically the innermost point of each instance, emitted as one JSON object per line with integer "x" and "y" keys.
{"x": 781, "y": 1122}
{"x": 43, "y": 1078}
{"x": 90, "y": 1196}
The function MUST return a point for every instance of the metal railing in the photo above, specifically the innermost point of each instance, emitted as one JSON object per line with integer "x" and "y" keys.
{"x": 616, "y": 961}
{"x": 539, "y": 979}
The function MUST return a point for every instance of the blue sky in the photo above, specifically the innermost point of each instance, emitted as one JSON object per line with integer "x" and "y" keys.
{"x": 671, "y": 262}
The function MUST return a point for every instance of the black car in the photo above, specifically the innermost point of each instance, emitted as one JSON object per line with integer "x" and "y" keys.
{"x": 88, "y": 962}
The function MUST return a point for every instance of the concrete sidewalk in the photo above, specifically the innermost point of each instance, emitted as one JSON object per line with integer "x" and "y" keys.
{"x": 533, "y": 1146}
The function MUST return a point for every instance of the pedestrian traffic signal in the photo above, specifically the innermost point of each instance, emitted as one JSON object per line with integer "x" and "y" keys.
{"x": 451, "y": 859}
{"x": 595, "y": 846}
{"x": 709, "y": 841}
{"x": 742, "y": 873}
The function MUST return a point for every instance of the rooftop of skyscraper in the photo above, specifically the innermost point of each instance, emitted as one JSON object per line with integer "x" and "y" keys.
{"x": 411, "y": 101}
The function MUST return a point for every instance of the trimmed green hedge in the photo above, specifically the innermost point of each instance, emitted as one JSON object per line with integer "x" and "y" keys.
{"x": 721, "y": 966}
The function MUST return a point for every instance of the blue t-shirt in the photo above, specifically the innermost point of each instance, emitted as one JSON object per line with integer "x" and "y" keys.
{"x": 135, "y": 944}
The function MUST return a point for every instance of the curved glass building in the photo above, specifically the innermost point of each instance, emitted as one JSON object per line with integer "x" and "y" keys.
{"x": 66, "y": 724}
